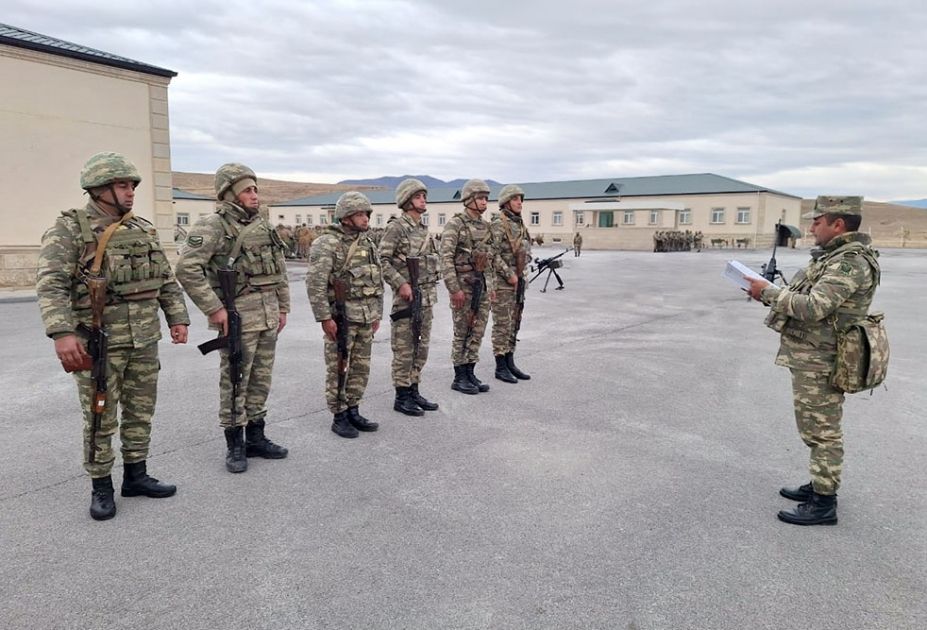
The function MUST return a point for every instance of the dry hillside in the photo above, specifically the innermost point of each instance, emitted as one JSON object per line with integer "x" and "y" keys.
{"x": 272, "y": 190}
{"x": 890, "y": 225}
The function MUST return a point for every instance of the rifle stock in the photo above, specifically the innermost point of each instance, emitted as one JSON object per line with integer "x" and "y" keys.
{"x": 413, "y": 264}
{"x": 341, "y": 335}
{"x": 97, "y": 348}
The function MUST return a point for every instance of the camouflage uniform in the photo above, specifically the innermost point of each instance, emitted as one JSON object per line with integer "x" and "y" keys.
{"x": 263, "y": 294}
{"x": 577, "y": 245}
{"x": 328, "y": 259}
{"x": 139, "y": 282}
{"x": 510, "y": 239}
{"x": 836, "y": 289}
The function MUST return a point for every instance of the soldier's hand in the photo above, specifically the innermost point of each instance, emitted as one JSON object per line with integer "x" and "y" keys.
{"x": 179, "y": 333}
{"x": 375, "y": 326}
{"x": 282, "y": 324}
{"x": 405, "y": 291}
{"x": 513, "y": 280}
{"x": 458, "y": 299}
{"x": 756, "y": 287}
{"x": 330, "y": 328}
{"x": 221, "y": 319}
{"x": 71, "y": 352}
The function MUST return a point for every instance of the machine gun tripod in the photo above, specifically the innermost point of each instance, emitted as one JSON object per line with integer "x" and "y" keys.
{"x": 550, "y": 265}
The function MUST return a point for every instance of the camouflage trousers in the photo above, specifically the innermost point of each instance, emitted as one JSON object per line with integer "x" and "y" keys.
{"x": 360, "y": 342}
{"x": 503, "y": 321}
{"x": 132, "y": 385}
{"x": 470, "y": 354}
{"x": 258, "y": 349}
{"x": 406, "y": 369}
{"x": 818, "y": 412}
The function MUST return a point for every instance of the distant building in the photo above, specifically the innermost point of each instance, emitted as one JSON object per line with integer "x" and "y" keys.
{"x": 616, "y": 213}
{"x": 62, "y": 103}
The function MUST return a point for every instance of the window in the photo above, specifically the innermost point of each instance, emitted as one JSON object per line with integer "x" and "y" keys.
{"x": 717, "y": 215}
{"x": 558, "y": 218}
{"x": 425, "y": 219}
{"x": 628, "y": 217}
{"x": 323, "y": 219}
{"x": 379, "y": 219}
{"x": 299, "y": 219}
{"x": 308, "y": 219}
{"x": 579, "y": 218}
{"x": 442, "y": 218}
{"x": 654, "y": 217}
{"x": 743, "y": 215}
{"x": 685, "y": 216}
{"x": 535, "y": 218}
{"x": 183, "y": 218}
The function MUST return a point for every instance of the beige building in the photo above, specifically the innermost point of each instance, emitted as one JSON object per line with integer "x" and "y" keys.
{"x": 63, "y": 103}
{"x": 618, "y": 213}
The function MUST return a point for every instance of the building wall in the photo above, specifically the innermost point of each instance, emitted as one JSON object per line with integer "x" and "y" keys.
{"x": 60, "y": 113}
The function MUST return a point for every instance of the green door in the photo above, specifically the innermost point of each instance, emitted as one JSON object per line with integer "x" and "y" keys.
{"x": 606, "y": 218}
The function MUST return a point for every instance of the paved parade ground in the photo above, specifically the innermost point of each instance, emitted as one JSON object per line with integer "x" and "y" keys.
{"x": 632, "y": 483}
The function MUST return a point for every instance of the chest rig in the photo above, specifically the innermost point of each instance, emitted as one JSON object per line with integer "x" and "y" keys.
{"x": 253, "y": 250}
{"x": 470, "y": 242}
{"x": 359, "y": 268}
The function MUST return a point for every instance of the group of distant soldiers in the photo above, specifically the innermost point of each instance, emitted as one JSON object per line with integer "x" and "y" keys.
{"x": 677, "y": 241}
{"x": 103, "y": 278}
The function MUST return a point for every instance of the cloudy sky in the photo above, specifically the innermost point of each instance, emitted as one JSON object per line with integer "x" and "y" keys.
{"x": 805, "y": 96}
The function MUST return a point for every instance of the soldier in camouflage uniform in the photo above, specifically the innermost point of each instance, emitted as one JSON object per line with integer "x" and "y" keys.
{"x": 835, "y": 290}
{"x": 465, "y": 237}
{"x": 406, "y": 236}
{"x": 510, "y": 241}
{"x": 236, "y": 236}
{"x": 344, "y": 252}
{"x": 139, "y": 281}
{"x": 577, "y": 245}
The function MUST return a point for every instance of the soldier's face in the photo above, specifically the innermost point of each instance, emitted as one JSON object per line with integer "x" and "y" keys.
{"x": 420, "y": 201}
{"x": 248, "y": 198}
{"x": 124, "y": 191}
{"x": 515, "y": 204}
{"x": 823, "y": 231}
{"x": 360, "y": 221}
{"x": 479, "y": 203}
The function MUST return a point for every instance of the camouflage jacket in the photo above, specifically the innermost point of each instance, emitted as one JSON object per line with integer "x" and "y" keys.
{"x": 402, "y": 238}
{"x": 263, "y": 290}
{"x": 139, "y": 278}
{"x": 328, "y": 259}
{"x": 835, "y": 290}
{"x": 509, "y": 234}
{"x": 464, "y": 236}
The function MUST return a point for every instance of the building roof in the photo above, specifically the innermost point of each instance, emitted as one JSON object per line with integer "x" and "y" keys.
{"x": 177, "y": 193}
{"x": 601, "y": 189}
{"x": 21, "y": 38}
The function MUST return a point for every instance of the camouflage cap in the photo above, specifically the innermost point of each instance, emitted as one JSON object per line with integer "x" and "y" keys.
{"x": 407, "y": 189}
{"x": 228, "y": 174}
{"x": 473, "y": 187}
{"x": 831, "y": 204}
{"x": 105, "y": 168}
{"x": 350, "y": 203}
{"x": 508, "y": 193}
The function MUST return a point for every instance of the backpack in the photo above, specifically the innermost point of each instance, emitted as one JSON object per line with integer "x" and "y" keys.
{"x": 862, "y": 355}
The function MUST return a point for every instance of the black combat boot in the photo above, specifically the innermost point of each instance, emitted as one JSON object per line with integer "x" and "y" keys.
{"x": 235, "y": 460}
{"x": 502, "y": 370}
{"x": 137, "y": 483}
{"x": 359, "y": 422}
{"x": 510, "y": 361}
{"x": 342, "y": 427}
{"x": 421, "y": 401}
{"x": 820, "y": 510}
{"x": 102, "y": 504}
{"x": 480, "y": 385}
{"x": 257, "y": 444}
{"x": 801, "y": 493}
{"x": 405, "y": 404}
{"x": 462, "y": 382}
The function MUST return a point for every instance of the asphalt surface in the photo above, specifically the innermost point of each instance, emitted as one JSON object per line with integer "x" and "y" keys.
{"x": 632, "y": 483}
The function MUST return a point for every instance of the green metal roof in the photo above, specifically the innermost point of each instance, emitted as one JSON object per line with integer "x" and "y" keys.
{"x": 603, "y": 189}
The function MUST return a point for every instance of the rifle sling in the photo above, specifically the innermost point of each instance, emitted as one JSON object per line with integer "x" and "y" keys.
{"x": 104, "y": 240}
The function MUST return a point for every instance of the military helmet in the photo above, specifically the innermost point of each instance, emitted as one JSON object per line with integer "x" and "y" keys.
{"x": 105, "y": 168}
{"x": 229, "y": 174}
{"x": 508, "y": 193}
{"x": 350, "y": 203}
{"x": 407, "y": 189}
{"x": 472, "y": 188}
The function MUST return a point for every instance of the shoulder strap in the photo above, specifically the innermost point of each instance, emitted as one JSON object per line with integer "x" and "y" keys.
{"x": 239, "y": 241}
{"x": 347, "y": 259}
{"x": 104, "y": 240}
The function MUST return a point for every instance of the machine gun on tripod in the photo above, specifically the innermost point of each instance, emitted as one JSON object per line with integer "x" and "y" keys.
{"x": 550, "y": 265}
{"x": 770, "y": 271}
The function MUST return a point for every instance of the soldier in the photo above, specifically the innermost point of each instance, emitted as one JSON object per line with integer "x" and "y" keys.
{"x": 237, "y": 237}
{"x": 465, "y": 243}
{"x": 407, "y": 236}
{"x": 511, "y": 241}
{"x": 833, "y": 291}
{"x": 577, "y": 245}
{"x": 104, "y": 239}
{"x": 344, "y": 254}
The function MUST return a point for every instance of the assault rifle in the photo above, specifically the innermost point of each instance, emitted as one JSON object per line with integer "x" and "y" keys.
{"x": 414, "y": 310}
{"x": 97, "y": 348}
{"x": 228, "y": 280}
{"x": 480, "y": 260}
{"x": 519, "y": 294}
{"x": 550, "y": 265}
{"x": 340, "y": 315}
{"x": 769, "y": 270}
